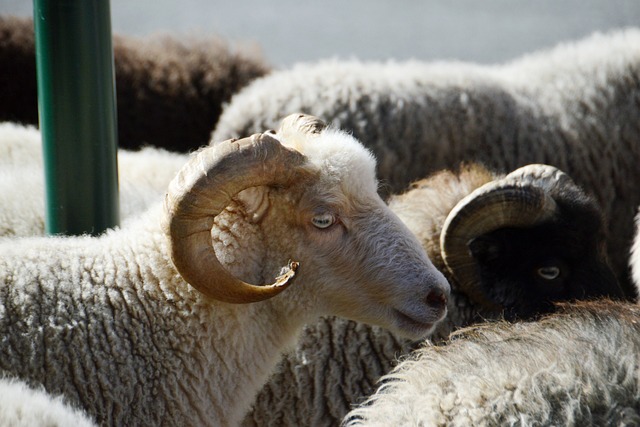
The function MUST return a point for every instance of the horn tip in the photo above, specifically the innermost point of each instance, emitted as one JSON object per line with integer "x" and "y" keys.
{"x": 285, "y": 278}
{"x": 302, "y": 123}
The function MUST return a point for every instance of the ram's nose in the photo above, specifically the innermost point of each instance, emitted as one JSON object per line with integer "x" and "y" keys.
{"x": 437, "y": 299}
{"x": 438, "y": 296}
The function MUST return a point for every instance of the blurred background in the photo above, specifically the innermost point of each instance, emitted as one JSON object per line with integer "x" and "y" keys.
{"x": 289, "y": 31}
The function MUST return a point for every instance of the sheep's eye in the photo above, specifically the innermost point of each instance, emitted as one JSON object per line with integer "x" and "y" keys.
{"x": 548, "y": 273}
{"x": 323, "y": 220}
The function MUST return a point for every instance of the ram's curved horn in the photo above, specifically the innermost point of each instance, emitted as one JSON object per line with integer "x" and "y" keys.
{"x": 204, "y": 188}
{"x": 521, "y": 199}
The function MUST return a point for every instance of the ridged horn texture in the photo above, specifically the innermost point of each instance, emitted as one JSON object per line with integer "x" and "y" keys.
{"x": 204, "y": 188}
{"x": 521, "y": 199}
{"x": 301, "y": 123}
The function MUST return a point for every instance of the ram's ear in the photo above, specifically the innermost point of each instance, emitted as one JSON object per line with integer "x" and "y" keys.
{"x": 255, "y": 201}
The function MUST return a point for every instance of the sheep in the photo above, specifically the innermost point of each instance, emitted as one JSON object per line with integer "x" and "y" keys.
{"x": 157, "y": 323}
{"x": 24, "y": 406}
{"x": 576, "y": 367}
{"x": 519, "y": 270}
{"x": 424, "y": 209}
{"x": 143, "y": 179}
{"x": 575, "y": 106}
{"x": 305, "y": 389}
{"x": 169, "y": 92}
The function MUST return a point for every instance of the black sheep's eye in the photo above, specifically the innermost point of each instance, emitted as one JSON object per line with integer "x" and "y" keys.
{"x": 548, "y": 273}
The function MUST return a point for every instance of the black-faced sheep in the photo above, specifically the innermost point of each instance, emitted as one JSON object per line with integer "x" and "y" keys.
{"x": 534, "y": 238}
{"x": 112, "y": 324}
{"x": 169, "y": 92}
{"x": 575, "y": 107}
{"x": 576, "y": 368}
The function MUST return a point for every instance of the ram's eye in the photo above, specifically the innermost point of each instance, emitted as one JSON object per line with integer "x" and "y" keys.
{"x": 324, "y": 220}
{"x": 548, "y": 273}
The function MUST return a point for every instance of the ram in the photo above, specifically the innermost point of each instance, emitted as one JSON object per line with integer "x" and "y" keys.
{"x": 170, "y": 92}
{"x": 145, "y": 324}
{"x": 574, "y": 107}
{"x": 578, "y": 367}
{"x": 509, "y": 245}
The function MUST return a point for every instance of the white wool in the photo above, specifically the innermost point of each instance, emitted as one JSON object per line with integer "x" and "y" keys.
{"x": 23, "y": 406}
{"x": 19, "y": 145}
{"x": 143, "y": 178}
{"x": 579, "y": 367}
{"x": 339, "y": 155}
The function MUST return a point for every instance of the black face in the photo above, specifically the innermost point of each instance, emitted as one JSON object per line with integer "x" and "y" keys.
{"x": 526, "y": 270}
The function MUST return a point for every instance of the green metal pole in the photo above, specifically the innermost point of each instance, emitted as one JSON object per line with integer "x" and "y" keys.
{"x": 77, "y": 108}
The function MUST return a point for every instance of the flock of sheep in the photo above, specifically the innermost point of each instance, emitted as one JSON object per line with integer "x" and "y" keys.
{"x": 413, "y": 244}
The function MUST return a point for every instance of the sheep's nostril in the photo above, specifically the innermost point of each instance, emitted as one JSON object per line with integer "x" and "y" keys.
{"x": 437, "y": 299}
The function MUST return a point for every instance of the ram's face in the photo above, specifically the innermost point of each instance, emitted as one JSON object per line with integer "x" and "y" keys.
{"x": 302, "y": 205}
{"x": 522, "y": 242}
{"x": 527, "y": 270}
{"x": 364, "y": 263}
